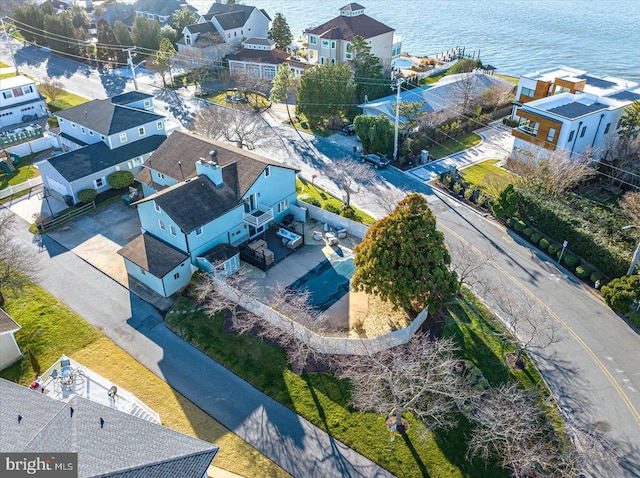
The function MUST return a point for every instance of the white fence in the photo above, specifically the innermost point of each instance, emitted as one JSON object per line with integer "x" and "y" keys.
{"x": 35, "y": 146}
{"x": 334, "y": 220}
{"x": 28, "y": 184}
{"x": 321, "y": 343}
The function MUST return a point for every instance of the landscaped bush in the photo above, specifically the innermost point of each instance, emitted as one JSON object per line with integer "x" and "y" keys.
{"x": 468, "y": 193}
{"x": 554, "y": 248}
{"x": 595, "y": 276}
{"x": 445, "y": 180}
{"x": 456, "y": 188}
{"x": 304, "y": 124}
{"x": 87, "y": 195}
{"x": 311, "y": 200}
{"x": 331, "y": 208}
{"x": 621, "y": 292}
{"x": 544, "y": 243}
{"x": 570, "y": 260}
{"x": 481, "y": 200}
{"x": 519, "y": 226}
{"x": 511, "y": 221}
{"x": 349, "y": 213}
{"x": 120, "y": 179}
{"x": 535, "y": 237}
{"x": 583, "y": 271}
{"x": 527, "y": 231}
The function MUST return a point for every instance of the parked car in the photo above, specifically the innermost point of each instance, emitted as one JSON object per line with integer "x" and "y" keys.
{"x": 376, "y": 160}
{"x": 349, "y": 129}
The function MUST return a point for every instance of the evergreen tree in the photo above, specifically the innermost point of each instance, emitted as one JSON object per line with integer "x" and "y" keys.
{"x": 371, "y": 84}
{"x": 280, "y": 32}
{"x": 146, "y": 34}
{"x": 164, "y": 59}
{"x": 29, "y": 19}
{"x": 506, "y": 205}
{"x": 324, "y": 91}
{"x": 107, "y": 42}
{"x": 182, "y": 18}
{"x": 375, "y": 132}
{"x": 629, "y": 124}
{"x": 404, "y": 260}
{"x": 122, "y": 33}
{"x": 283, "y": 82}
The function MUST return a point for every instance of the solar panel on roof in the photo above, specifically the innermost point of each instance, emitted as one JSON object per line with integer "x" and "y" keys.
{"x": 597, "y": 82}
{"x": 575, "y": 110}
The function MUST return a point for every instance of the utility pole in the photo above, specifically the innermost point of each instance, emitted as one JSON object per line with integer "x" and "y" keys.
{"x": 399, "y": 79}
{"x": 6, "y": 36}
{"x": 130, "y": 63}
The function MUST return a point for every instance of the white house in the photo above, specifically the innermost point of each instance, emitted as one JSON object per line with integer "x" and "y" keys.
{"x": 260, "y": 58}
{"x": 20, "y": 101}
{"x": 9, "y": 350}
{"x": 221, "y": 30}
{"x": 331, "y": 42}
{"x": 99, "y": 138}
{"x": 569, "y": 110}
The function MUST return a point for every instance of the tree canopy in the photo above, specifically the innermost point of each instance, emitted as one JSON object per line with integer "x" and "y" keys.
{"x": 371, "y": 83}
{"x": 375, "y": 132}
{"x": 325, "y": 90}
{"x": 404, "y": 260}
{"x": 182, "y": 18}
{"x": 283, "y": 83}
{"x": 280, "y": 32}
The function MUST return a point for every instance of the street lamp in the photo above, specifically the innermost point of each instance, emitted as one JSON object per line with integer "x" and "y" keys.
{"x": 636, "y": 254}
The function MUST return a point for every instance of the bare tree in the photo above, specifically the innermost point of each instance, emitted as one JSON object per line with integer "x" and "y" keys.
{"x": 416, "y": 377}
{"x": 216, "y": 302}
{"x": 52, "y": 89}
{"x": 17, "y": 265}
{"x": 466, "y": 263}
{"x": 553, "y": 174}
{"x": 493, "y": 98}
{"x": 349, "y": 175}
{"x": 243, "y": 129}
{"x": 247, "y": 82}
{"x": 388, "y": 198}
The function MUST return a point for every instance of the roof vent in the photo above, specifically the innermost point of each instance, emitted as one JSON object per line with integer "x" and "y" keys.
{"x": 212, "y": 155}
{"x": 19, "y": 418}
{"x": 71, "y": 412}
{"x": 101, "y": 422}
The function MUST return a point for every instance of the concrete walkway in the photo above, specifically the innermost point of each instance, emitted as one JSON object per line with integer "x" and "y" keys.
{"x": 295, "y": 444}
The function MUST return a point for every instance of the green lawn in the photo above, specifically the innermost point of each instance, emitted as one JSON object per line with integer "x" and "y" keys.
{"x": 67, "y": 100}
{"x": 452, "y": 146}
{"x": 324, "y": 400}
{"x": 24, "y": 170}
{"x": 306, "y": 191}
{"x": 488, "y": 177}
{"x": 50, "y": 329}
{"x": 255, "y": 100}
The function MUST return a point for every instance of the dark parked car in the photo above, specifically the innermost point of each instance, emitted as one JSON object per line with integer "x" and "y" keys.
{"x": 29, "y": 117}
{"x": 375, "y": 159}
{"x": 349, "y": 129}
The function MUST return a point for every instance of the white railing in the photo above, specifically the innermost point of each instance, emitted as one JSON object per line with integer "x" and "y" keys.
{"x": 259, "y": 220}
{"x": 28, "y": 184}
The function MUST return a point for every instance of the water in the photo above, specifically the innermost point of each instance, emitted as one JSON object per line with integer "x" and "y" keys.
{"x": 515, "y": 36}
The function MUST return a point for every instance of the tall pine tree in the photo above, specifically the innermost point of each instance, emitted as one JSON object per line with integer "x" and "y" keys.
{"x": 280, "y": 32}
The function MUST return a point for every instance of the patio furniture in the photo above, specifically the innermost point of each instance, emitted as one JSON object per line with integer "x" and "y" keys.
{"x": 331, "y": 238}
{"x": 317, "y": 235}
{"x": 341, "y": 233}
{"x": 254, "y": 246}
{"x": 265, "y": 254}
{"x": 295, "y": 243}
{"x": 288, "y": 220}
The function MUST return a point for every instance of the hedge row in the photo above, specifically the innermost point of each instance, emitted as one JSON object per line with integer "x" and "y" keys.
{"x": 560, "y": 223}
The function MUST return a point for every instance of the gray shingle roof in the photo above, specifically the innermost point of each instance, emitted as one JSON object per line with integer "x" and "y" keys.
{"x": 345, "y": 28}
{"x": 574, "y": 109}
{"x": 7, "y": 324}
{"x": 220, "y": 253}
{"x": 125, "y": 446}
{"x": 129, "y": 97}
{"x": 201, "y": 27}
{"x": 153, "y": 255}
{"x": 106, "y": 118}
{"x": 97, "y": 157}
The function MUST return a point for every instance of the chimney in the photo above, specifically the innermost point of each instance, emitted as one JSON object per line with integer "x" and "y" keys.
{"x": 210, "y": 169}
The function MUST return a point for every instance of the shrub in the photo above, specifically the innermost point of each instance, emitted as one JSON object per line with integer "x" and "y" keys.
{"x": 349, "y": 213}
{"x": 595, "y": 275}
{"x": 332, "y": 208}
{"x": 311, "y": 200}
{"x": 620, "y": 292}
{"x": 535, "y": 237}
{"x": 570, "y": 260}
{"x": 481, "y": 200}
{"x": 120, "y": 179}
{"x": 304, "y": 124}
{"x": 456, "y": 188}
{"x": 634, "y": 318}
{"x": 445, "y": 179}
{"x": 519, "y": 225}
{"x": 468, "y": 193}
{"x": 554, "y": 248}
{"x": 527, "y": 231}
{"x": 511, "y": 221}
{"x": 583, "y": 271}
{"x": 544, "y": 243}
{"x": 87, "y": 195}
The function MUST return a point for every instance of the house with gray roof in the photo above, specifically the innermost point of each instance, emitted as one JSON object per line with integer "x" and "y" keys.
{"x": 162, "y": 12}
{"x": 9, "y": 350}
{"x": 108, "y": 442}
{"x": 220, "y": 31}
{"x": 203, "y": 199}
{"x": 260, "y": 58}
{"x": 99, "y": 138}
{"x": 330, "y": 42}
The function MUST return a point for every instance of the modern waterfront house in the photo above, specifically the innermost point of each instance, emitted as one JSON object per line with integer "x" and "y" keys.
{"x": 569, "y": 110}
{"x": 330, "y": 42}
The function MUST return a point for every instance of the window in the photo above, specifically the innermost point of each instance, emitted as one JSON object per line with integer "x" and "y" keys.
{"x": 90, "y": 132}
{"x": 83, "y": 131}
{"x": 619, "y": 123}
{"x": 267, "y": 171}
{"x": 6, "y": 95}
{"x": 172, "y": 230}
{"x": 162, "y": 225}
{"x": 584, "y": 130}
{"x": 123, "y": 137}
{"x": 313, "y": 40}
{"x": 102, "y": 137}
{"x": 99, "y": 182}
{"x": 156, "y": 207}
{"x": 333, "y": 45}
{"x": 561, "y": 89}
{"x": 18, "y": 92}
{"x": 325, "y": 43}
{"x": 528, "y": 126}
{"x": 198, "y": 231}
{"x": 606, "y": 129}
{"x": 176, "y": 276}
{"x": 161, "y": 176}
{"x": 73, "y": 125}
{"x": 551, "y": 134}
{"x": 141, "y": 130}
{"x": 27, "y": 89}
{"x": 159, "y": 125}
{"x": 322, "y": 60}
{"x": 147, "y": 103}
{"x": 143, "y": 271}
{"x": 571, "y": 135}
{"x": 283, "y": 205}
{"x": 333, "y": 61}
{"x": 187, "y": 39}
{"x": 527, "y": 92}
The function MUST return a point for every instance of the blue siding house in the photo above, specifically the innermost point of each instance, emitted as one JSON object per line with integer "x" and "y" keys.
{"x": 203, "y": 199}
{"x": 99, "y": 138}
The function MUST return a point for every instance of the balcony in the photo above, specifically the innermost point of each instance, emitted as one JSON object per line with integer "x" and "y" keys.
{"x": 260, "y": 216}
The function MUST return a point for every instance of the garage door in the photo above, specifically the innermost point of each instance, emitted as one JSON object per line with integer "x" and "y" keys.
{"x": 57, "y": 186}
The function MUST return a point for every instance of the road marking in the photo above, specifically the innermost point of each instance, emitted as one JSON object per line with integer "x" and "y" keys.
{"x": 566, "y": 326}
